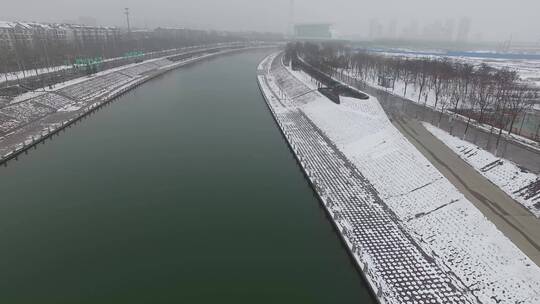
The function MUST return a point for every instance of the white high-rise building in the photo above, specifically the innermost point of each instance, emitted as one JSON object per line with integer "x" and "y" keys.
{"x": 464, "y": 29}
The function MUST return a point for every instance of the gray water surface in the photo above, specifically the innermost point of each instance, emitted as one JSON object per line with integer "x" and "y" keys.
{"x": 181, "y": 191}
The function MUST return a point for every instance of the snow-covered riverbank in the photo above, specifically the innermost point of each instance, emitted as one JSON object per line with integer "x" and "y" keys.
{"x": 416, "y": 237}
{"x": 33, "y": 116}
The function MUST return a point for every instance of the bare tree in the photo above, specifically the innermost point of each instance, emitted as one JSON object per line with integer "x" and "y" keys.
{"x": 478, "y": 92}
{"x": 422, "y": 76}
{"x": 520, "y": 101}
{"x": 505, "y": 83}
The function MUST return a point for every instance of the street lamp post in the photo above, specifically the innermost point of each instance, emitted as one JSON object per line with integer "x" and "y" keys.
{"x": 127, "y": 19}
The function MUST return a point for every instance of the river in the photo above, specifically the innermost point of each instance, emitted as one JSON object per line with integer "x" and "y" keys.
{"x": 180, "y": 191}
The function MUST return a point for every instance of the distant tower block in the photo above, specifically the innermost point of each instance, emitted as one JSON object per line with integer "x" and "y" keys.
{"x": 290, "y": 26}
{"x": 313, "y": 31}
{"x": 464, "y": 29}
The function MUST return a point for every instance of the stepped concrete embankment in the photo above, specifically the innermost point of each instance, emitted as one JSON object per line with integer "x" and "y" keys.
{"x": 35, "y": 116}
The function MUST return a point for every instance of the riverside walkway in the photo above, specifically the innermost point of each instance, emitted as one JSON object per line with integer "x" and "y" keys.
{"x": 510, "y": 217}
{"x": 416, "y": 238}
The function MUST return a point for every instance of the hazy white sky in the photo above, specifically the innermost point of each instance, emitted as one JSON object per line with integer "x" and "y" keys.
{"x": 495, "y": 19}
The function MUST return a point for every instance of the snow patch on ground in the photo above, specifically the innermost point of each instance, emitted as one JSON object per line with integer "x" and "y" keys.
{"x": 522, "y": 186}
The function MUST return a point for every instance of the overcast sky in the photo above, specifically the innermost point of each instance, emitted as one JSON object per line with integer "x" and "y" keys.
{"x": 495, "y": 19}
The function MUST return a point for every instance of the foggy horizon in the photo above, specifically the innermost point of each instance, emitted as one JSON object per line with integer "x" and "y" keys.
{"x": 490, "y": 20}
{"x": 259, "y": 151}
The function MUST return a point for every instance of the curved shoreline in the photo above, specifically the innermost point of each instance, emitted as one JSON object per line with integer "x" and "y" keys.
{"x": 35, "y": 137}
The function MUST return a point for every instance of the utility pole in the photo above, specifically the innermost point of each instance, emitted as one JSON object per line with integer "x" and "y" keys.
{"x": 127, "y": 18}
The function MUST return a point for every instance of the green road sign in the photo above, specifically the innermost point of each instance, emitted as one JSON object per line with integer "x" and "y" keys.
{"x": 134, "y": 54}
{"x": 88, "y": 61}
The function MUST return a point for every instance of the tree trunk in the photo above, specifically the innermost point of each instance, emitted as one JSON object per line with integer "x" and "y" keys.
{"x": 421, "y": 89}
{"x": 405, "y": 91}
{"x": 522, "y": 123}
{"x": 512, "y": 123}
{"x": 467, "y": 127}
{"x": 455, "y": 118}
{"x": 481, "y": 115}
{"x": 499, "y": 138}
{"x": 440, "y": 118}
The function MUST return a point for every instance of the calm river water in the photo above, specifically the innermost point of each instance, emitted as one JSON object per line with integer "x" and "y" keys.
{"x": 181, "y": 191}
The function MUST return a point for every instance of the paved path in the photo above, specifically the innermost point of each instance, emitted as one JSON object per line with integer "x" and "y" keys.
{"x": 511, "y": 218}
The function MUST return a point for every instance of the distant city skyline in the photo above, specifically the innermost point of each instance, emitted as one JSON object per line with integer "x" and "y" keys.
{"x": 458, "y": 30}
{"x": 494, "y": 20}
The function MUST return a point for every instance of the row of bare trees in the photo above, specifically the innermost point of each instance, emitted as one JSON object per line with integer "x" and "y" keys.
{"x": 43, "y": 53}
{"x": 480, "y": 93}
